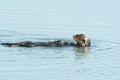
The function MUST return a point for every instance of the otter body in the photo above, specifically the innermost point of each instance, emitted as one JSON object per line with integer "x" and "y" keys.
{"x": 36, "y": 44}
{"x": 82, "y": 40}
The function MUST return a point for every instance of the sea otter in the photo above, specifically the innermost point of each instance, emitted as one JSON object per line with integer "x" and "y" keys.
{"x": 81, "y": 39}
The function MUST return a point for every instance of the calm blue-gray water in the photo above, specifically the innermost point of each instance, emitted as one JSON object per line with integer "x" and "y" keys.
{"x": 47, "y": 20}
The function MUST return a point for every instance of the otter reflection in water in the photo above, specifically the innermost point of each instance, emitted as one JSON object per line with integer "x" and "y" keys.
{"x": 82, "y": 40}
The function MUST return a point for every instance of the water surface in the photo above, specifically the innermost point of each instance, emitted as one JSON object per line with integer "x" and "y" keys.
{"x": 47, "y": 20}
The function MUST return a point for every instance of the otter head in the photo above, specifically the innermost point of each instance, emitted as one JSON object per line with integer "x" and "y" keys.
{"x": 82, "y": 40}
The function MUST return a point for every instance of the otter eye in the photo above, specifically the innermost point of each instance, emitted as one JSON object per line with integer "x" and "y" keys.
{"x": 83, "y": 41}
